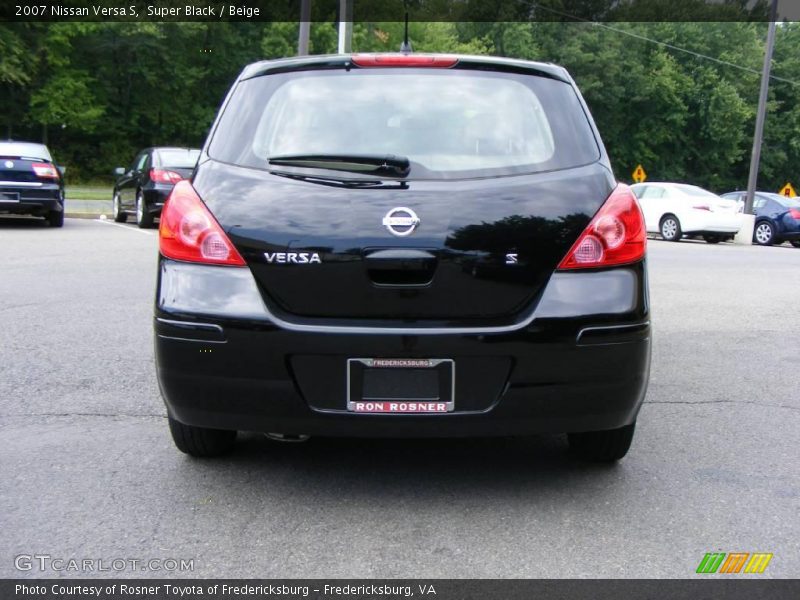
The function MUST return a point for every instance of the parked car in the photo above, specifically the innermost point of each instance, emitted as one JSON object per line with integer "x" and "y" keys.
{"x": 676, "y": 210}
{"x": 312, "y": 278}
{"x": 142, "y": 188}
{"x": 30, "y": 182}
{"x": 777, "y": 217}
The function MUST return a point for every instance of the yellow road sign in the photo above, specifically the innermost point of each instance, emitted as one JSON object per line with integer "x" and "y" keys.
{"x": 788, "y": 191}
{"x": 639, "y": 174}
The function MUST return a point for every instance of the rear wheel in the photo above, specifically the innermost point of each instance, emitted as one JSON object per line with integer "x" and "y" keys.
{"x": 119, "y": 214}
{"x": 670, "y": 228}
{"x": 764, "y": 233}
{"x": 201, "y": 441}
{"x": 602, "y": 446}
{"x": 55, "y": 218}
{"x": 143, "y": 218}
{"x": 712, "y": 239}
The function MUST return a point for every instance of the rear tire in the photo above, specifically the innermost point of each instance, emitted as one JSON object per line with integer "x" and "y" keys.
{"x": 116, "y": 209}
{"x": 670, "y": 228}
{"x": 764, "y": 233}
{"x": 201, "y": 441}
{"x": 143, "y": 218}
{"x": 55, "y": 218}
{"x": 602, "y": 446}
{"x": 712, "y": 239}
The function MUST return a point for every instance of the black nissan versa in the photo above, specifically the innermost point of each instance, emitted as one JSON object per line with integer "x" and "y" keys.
{"x": 403, "y": 245}
{"x": 144, "y": 186}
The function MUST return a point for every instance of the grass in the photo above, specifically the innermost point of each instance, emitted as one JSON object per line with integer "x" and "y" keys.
{"x": 86, "y": 192}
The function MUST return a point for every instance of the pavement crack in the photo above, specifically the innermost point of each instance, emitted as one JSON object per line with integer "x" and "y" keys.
{"x": 8, "y": 307}
{"x": 723, "y": 402}
{"x": 86, "y": 414}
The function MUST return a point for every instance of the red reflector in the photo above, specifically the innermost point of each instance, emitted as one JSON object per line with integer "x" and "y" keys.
{"x": 615, "y": 236}
{"x": 45, "y": 170}
{"x": 795, "y": 214}
{"x": 403, "y": 60}
{"x": 189, "y": 231}
{"x": 164, "y": 176}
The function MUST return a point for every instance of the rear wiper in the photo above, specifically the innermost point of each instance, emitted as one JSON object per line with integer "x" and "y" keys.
{"x": 388, "y": 164}
{"x": 344, "y": 183}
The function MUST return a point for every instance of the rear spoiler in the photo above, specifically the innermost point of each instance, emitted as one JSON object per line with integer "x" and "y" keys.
{"x": 345, "y": 61}
{"x": 14, "y": 157}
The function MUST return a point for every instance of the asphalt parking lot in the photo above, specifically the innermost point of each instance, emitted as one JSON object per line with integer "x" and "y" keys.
{"x": 89, "y": 470}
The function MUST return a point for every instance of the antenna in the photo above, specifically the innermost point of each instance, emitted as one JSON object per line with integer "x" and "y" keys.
{"x": 406, "y": 45}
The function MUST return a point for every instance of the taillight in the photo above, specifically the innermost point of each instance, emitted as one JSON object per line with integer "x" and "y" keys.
{"x": 403, "y": 60}
{"x": 45, "y": 170}
{"x": 615, "y": 236}
{"x": 164, "y": 176}
{"x": 189, "y": 232}
{"x": 794, "y": 213}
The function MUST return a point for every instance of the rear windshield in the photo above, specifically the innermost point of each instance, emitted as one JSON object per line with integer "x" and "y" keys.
{"x": 693, "y": 190}
{"x": 24, "y": 150}
{"x": 447, "y": 123}
{"x": 179, "y": 158}
{"x": 785, "y": 201}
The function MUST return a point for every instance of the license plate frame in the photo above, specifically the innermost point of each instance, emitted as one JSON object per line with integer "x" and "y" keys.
{"x": 443, "y": 403}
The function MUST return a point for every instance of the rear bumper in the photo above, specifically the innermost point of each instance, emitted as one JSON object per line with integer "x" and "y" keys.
{"x": 568, "y": 372}
{"x": 248, "y": 383}
{"x": 155, "y": 195}
{"x": 30, "y": 200}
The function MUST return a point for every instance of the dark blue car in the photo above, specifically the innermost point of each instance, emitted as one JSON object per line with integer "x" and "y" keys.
{"x": 777, "y": 217}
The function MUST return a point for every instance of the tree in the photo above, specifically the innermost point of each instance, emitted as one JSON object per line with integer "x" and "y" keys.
{"x": 679, "y": 98}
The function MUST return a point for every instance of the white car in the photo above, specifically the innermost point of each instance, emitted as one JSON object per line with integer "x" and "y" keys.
{"x": 676, "y": 210}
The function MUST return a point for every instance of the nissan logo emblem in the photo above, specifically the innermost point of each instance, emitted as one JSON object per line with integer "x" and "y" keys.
{"x": 401, "y": 221}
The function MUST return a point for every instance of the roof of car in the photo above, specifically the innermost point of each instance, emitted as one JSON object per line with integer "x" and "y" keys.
{"x": 265, "y": 67}
{"x": 175, "y": 148}
{"x": 665, "y": 183}
{"x": 763, "y": 193}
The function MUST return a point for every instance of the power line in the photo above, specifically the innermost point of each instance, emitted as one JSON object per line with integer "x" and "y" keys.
{"x": 658, "y": 42}
{"x": 692, "y": 52}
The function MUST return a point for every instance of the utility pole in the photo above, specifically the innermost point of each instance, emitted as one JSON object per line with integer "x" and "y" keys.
{"x": 345, "y": 26}
{"x": 305, "y": 27}
{"x": 762, "y": 110}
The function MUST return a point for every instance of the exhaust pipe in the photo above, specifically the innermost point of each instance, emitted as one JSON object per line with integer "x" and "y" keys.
{"x": 291, "y": 438}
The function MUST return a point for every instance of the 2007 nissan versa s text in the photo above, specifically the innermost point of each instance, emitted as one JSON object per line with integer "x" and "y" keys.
{"x": 403, "y": 245}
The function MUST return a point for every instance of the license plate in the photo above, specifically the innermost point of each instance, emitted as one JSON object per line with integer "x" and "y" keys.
{"x": 400, "y": 385}
{"x": 9, "y": 196}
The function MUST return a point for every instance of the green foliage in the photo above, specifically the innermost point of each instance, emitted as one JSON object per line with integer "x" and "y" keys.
{"x": 425, "y": 37}
{"x": 99, "y": 92}
{"x": 12, "y": 58}
{"x": 67, "y": 99}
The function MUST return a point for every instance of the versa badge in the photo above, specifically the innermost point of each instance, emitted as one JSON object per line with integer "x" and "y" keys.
{"x": 294, "y": 258}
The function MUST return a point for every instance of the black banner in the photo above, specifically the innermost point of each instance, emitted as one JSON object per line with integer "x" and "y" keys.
{"x": 715, "y": 587}
{"x": 394, "y": 10}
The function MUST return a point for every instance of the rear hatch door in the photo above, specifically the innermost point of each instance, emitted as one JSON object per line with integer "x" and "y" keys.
{"x": 481, "y": 249}
{"x": 504, "y": 172}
